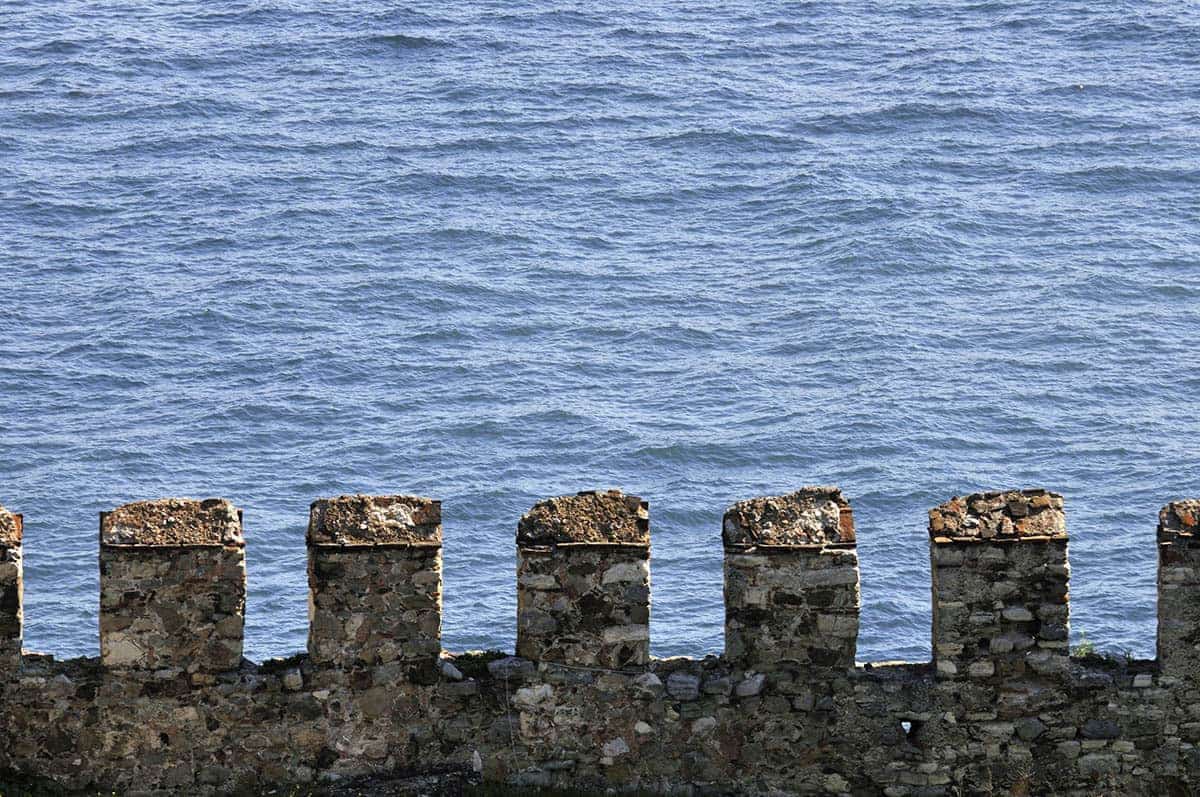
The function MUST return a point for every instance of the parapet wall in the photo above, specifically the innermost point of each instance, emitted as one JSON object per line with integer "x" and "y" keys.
{"x": 172, "y": 707}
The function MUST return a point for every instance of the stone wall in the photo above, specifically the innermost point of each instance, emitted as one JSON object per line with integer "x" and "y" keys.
{"x": 1001, "y": 709}
{"x": 791, "y": 581}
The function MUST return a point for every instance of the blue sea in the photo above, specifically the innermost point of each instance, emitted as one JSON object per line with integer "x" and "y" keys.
{"x": 492, "y": 252}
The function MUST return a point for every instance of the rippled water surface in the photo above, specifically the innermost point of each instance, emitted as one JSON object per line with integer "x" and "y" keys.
{"x": 493, "y": 252}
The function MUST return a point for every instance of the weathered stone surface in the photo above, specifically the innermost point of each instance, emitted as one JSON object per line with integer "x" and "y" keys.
{"x": 1178, "y": 588}
{"x": 1000, "y": 515}
{"x": 809, "y": 516}
{"x": 589, "y": 517}
{"x": 375, "y": 583}
{"x": 1179, "y": 518}
{"x": 1000, "y": 610}
{"x": 683, "y": 686}
{"x": 10, "y": 528}
{"x": 173, "y": 522}
{"x": 172, "y": 608}
{"x": 375, "y": 605}
{"x": 375, "y": 520}
{"x": 511, "y": 668}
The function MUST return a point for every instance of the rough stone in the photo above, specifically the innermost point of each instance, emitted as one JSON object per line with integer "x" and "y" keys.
{"x": 809, "y": 516}
{"x": 511, "y": 668}
{"x": 1030, "y": 728}
{"x": 1000, "y": 515}
{"x": 683, "y": 686}
{"x": 581, "y": 598}
{"x": 450, "y": 671}
{"x": 373, "y": 520}
{"x": 172, "y": 522}
{"x": 791, "y": 585}
{"x": 589, "y": 517}
{"x": 172, "y": 586}
{"x": 1100, "y": 729}
{"x": 751, "y": 686}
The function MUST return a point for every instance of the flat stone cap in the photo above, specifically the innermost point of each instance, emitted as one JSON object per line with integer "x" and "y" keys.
{"x": 999, "y": 515}
{"x": 810, "y": 516}
{"x": 173, "y": 522}
{"x": 365, "y": 520}
{"x": 1179, "y": 519}
{"x": 590, "y": 517}
{"x": 10, "y": 528}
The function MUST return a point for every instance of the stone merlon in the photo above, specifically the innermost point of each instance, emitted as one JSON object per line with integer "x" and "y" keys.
{"x": 10, "y": 528}
{"x": 1000, "y": 515}
{"x": 350, "y": 520}
{"x": 173, "y": 522}
{"x": 589, "y": 517}
{"x": 809, "y": 516}
{"x": 1179, "y": 519}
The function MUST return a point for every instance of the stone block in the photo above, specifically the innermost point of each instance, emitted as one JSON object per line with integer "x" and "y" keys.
{"x": 11, "y": 591}
{"x": 1179, "y": 589}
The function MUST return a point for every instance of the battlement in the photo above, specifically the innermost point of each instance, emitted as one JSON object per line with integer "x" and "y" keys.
{"x": 172, "y": 705}
{"x": 1000, "y": 578}
{"x": 791, "y": 581}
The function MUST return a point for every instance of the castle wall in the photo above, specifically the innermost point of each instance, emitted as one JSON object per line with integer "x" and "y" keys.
{"x": 1002, "y": 708}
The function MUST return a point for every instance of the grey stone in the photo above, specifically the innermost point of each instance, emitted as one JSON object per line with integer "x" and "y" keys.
{"x": 1030, "y": 728}
{"x": 449, "y": 670}
{"x": 647, "y": 686}
{"x": 1100, "y": 729}
{"x": 683, "y": 686}
{"x": 511, "y": 668}
{"x": 751, "y": 686}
